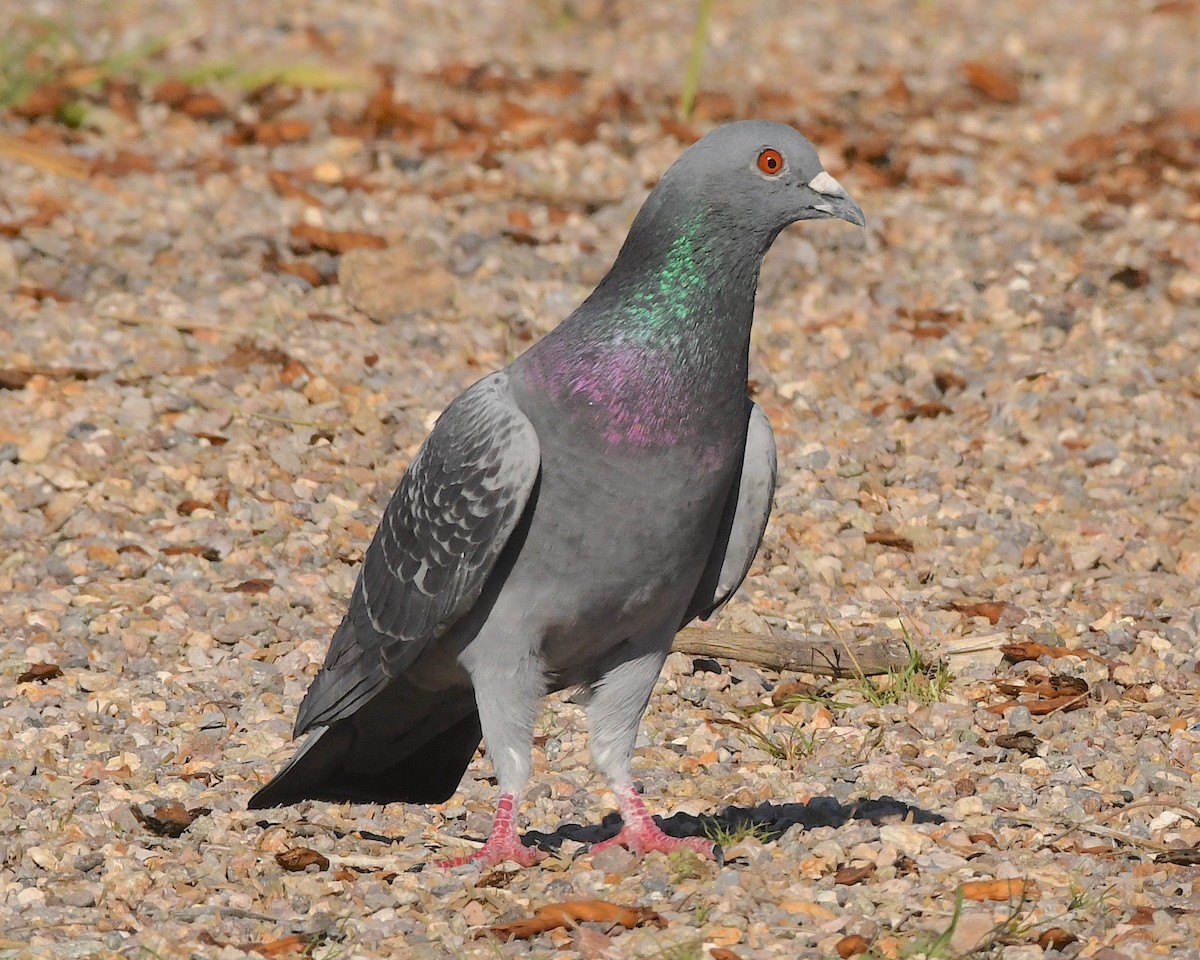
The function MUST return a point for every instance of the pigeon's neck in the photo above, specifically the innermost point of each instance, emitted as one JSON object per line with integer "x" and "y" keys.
{"x": 658, "y": 354}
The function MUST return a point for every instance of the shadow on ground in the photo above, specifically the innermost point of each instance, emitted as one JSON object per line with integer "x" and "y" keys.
{"x": 771, "y": 820}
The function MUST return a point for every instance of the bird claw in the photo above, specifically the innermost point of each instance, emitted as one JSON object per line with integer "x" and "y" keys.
{"x": 494, "y": 853}
{"x": 642, "y": 838}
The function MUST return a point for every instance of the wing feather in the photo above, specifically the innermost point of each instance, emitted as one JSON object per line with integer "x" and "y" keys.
{"x": 438, "y": 540}
{"x": 743, "y": 523}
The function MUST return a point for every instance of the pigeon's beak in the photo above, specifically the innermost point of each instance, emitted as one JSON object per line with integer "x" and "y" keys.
{"x": 834, "y": 200}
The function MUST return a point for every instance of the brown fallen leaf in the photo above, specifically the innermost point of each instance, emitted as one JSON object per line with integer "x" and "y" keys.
{"x": 791, "y": 689}
{"x": 17, "y": 378}
{"x": 285, "y": 185}
{"x": 306, "y": 236}
{"x": 302, "y": 269}
{"x": 270, "y": 133}
{"x": 571, "y": 913}
{"x": 723, "y": 953}
{"x": 1016, "y": 888}
{"x": 1031, "y": 650}
{"x": 947, "y": 380}
{"x": 930, "y": 409}
{"x": 852, "y": 946}
{"x": 1132, "y": 278}
{"x": 123, "y": 163}
{"x": 889, "y": 538}
{"x": 203, "y": 106}
{"x": 1055, "y": 938}
{"x": 167, "y": 818}
{"x": 990, "y": 610}
{"x": 1143, "y": 916}
{"x": 254, "y": 585}
{"x": 1040, "y": 708}
{"x": 40, "y": 673}
{"x": 214, "y": 438}
{"x": 1057, "y": 685}
{"x": 36, "y": 291}
{"x": 186, "y": 508}
{"x": 211, "y": 554}
{"x": 995, "y": 81}
{"x": 847, "y": 876}
{"x": 42, "y": 157}
{"x": 247, "y": 353}
{"x": 295, "y": 943}
{"x": 297, "y": 859}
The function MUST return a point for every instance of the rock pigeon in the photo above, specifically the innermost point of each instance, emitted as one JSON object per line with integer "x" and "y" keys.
{"x": 570, "y": 513}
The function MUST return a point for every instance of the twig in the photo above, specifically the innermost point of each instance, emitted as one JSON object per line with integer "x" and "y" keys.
{"x": 49, "y": 161}
{"x": 826, "y": 658}
{"x": 1091, "y": 828}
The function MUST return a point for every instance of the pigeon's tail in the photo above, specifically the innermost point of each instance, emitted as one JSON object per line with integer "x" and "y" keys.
{"x": 383, "y": 756}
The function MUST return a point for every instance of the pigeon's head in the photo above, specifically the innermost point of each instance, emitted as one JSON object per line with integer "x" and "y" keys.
{"x": 760, "y": 176}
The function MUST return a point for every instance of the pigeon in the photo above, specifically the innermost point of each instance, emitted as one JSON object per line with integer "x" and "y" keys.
{"x": 569, "y": 514}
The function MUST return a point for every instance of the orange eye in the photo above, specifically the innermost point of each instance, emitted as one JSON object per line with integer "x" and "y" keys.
{"x": 770, "y": 162}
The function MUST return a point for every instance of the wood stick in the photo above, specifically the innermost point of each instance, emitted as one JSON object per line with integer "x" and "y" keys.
{"x": 825, "y": 658}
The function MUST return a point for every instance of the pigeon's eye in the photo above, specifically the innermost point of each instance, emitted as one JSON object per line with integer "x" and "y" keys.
{"x": 770, "y": 162}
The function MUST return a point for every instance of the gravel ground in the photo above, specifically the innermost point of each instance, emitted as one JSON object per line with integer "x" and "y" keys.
{"x": 232, "y": 308}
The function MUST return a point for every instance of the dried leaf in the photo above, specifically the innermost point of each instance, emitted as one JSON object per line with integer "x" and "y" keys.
{"x": 1055, "y": 938}
{"x": 284, "y": 185}
{"x": 122, "y": 163}
{"x": 1031, "y": 650}
{"x": 255, "y": 585}
{"x": 44, "y": 102}
{"x": 307, "y": 237}
{"x": 570, "y": 913}
{"x": 1131, "y": 277}
{"x": 203, "y": 106}
{"x": 1016, "y": 888}
{"x": 38, "y": 292}
{"x": 247, "y": 352}
{"x": 888, "y": 538}
{"x": 17, "y": 378}
{"x": 947, "y": 380}
{"x": 212, "y": 554}
{"x": 271, "y": 133}
{"x": 40, "y": 673}
{"x": 791, "y": 689}
{"x": 1057, "y": 685}
{"x": 297, "y": 859}
{"x": 172, "y": 91}
{"x": 852, "y": 946}
{"x": 302, "y": 269}
{"x": 723, "y": 953}
{"x": 847, "y": 876}
{"x": 187, "y": 507}
{"x": 911, "y": 411}
{"x": 167, "y": 818}
{"x": 991, "y": 610}
{"x": 214, "y": 438}
{"x": 1040, "y": 708}
{"x": 996, "y": 82}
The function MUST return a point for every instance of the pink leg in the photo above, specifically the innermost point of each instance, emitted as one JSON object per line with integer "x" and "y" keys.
{"x": 641, "y": 835}
{"x": 502, "y": 844}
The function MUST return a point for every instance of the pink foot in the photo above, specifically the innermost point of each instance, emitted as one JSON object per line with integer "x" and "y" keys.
{"x": 641, "y": 835}
{"x": 503, "y": 843}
